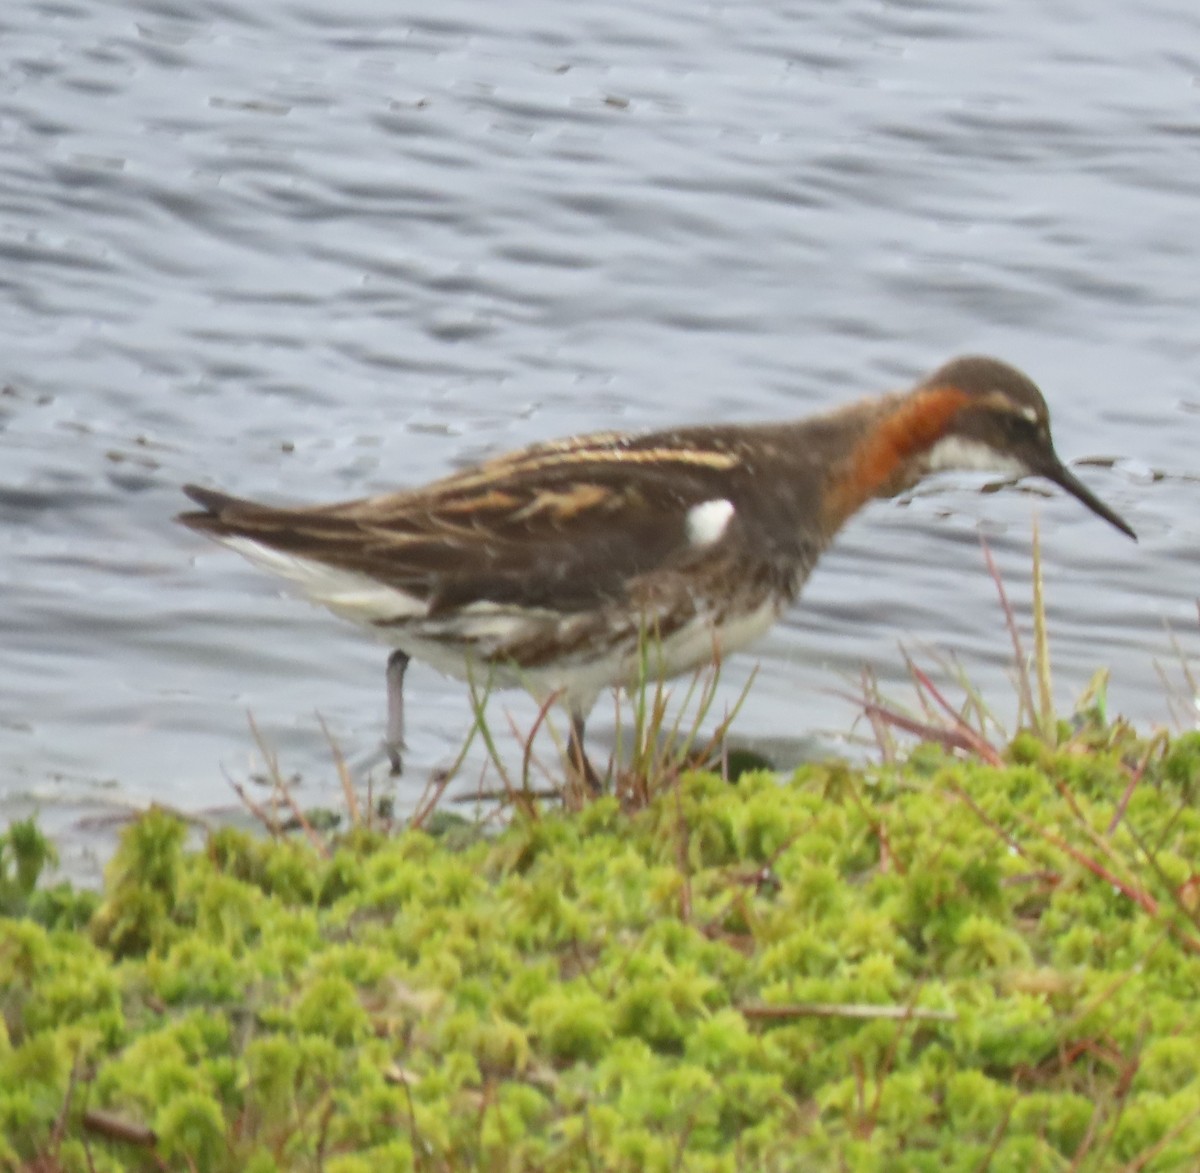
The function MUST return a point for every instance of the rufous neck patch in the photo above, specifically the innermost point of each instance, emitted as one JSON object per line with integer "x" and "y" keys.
{"x": 895, "y": 438}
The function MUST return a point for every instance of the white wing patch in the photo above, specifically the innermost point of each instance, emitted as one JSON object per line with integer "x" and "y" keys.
{"x": 707, "y": 522}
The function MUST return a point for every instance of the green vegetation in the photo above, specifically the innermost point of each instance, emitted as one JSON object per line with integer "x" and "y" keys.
{"x": 953, "y": 966}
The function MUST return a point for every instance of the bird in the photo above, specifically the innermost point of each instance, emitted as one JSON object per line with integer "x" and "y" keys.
{"x": 551, "y": 566}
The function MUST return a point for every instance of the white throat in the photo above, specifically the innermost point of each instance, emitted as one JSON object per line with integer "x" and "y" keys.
{"x": 958, "y": 453}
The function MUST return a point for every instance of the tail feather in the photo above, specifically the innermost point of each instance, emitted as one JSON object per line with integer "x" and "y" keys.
{"x": 218, "y": 510}
{"x": 214, "y": 501}
{"x": 262, "y": 535}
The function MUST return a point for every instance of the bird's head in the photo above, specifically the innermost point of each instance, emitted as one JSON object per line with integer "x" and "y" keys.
{"x": 1003, "y": 426}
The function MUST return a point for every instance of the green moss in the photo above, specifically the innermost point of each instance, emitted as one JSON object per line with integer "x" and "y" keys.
{"x": 191, "y": 1128}
{"x": 571, "y": 1024}
{"x": 580, "y": 991}
{"x": 142, "y": 883}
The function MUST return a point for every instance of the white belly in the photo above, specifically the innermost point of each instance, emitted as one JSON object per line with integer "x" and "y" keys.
{"x": 579, "y": 680}
{"x": 469, "y": 643}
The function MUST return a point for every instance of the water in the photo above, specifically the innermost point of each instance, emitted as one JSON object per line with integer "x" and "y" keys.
{"x": 306, "y": 251}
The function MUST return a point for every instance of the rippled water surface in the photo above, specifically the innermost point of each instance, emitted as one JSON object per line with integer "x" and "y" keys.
{"x": 306, "y": 251}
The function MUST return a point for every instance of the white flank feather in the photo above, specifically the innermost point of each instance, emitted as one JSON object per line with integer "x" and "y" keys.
{"x": 708, "y": 521}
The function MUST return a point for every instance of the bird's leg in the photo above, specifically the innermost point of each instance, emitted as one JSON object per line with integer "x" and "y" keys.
{"x": 578, "y": 758}
{"x": 394, "y": 738}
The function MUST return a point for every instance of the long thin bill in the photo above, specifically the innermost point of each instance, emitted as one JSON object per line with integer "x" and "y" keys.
{"x": 1066, "y": 479}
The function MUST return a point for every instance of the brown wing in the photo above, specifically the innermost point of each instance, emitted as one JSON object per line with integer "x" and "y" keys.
{"x": 569, "y": 525}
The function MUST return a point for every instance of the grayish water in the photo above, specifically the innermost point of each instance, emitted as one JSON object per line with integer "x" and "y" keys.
{"x": 307, "y": 251}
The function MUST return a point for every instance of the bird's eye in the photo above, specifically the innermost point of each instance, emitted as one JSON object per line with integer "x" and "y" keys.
{"x": 1025, "y": 420}
{"x": 1017, "y": 424}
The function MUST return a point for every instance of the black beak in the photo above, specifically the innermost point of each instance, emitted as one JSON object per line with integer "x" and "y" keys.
{"x": 1062, "y": 476}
